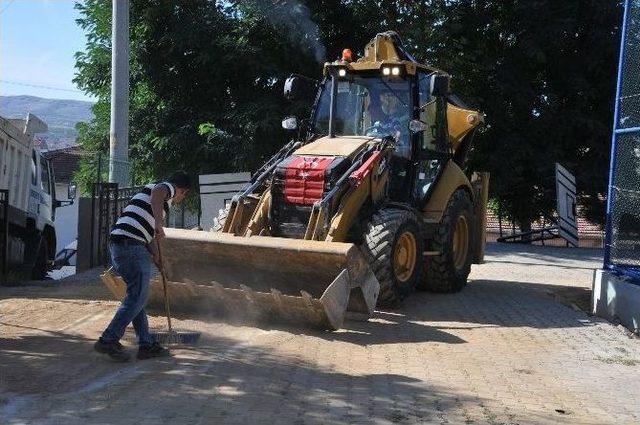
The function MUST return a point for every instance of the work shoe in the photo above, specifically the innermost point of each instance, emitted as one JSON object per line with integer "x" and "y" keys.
{"x": 153, "y": 350}
{"x": 115, "y": 350}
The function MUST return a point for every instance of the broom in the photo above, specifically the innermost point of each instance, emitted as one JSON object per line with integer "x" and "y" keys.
{"x": 171, "y": 336}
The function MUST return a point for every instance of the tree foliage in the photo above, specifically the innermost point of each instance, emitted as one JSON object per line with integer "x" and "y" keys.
{"x": 207, "y": 76}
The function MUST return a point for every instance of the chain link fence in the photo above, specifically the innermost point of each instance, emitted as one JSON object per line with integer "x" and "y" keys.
{"x": 622, "y": 249}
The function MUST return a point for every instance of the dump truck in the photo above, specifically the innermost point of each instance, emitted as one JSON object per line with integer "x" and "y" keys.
{"x": 367, "y": 204}
{"x": 29, "y": 178}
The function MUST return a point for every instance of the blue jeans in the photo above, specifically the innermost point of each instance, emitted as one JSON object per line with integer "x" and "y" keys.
{"x": 133, "y": 263}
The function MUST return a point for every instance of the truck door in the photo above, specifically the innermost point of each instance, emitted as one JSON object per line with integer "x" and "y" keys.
{"x": 432, "y": 156}
{"x": 45, "y": 209}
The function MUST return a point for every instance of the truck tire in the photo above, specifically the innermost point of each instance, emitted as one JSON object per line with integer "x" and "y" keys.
{"x": 453, "y": 238}
{"x": 218, "y": 222}
{"x": 393, "y": 246}
{"x": 41, "y": 266}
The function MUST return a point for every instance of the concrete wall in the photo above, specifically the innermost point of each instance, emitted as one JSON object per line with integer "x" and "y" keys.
{"x": 616, "y": 299}
{"x": 215, "y": 191}
{"x": 66, "y": 219}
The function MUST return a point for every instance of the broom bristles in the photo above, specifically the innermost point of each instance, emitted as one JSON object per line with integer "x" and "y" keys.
{"x": 176, "y": 337}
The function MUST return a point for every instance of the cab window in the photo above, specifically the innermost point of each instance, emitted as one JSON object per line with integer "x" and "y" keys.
{"x": 44, "y": 176}
{"x": 427, "y": 112}
{"x": 428, "y": 168}
{"x": 368, "y": 106}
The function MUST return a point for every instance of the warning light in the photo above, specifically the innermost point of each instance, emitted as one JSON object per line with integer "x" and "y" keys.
{"x": 347, "y": 55}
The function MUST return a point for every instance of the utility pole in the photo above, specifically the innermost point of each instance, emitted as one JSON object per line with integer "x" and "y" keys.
{"x": 119, "y": 131}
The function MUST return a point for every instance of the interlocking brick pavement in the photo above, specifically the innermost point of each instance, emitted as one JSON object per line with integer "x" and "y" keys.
{"x": 506, "y": 350}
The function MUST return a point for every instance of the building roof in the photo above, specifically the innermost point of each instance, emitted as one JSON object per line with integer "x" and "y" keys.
{"x": 65, "y": 162}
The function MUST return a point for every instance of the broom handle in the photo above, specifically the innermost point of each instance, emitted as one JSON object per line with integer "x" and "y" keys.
{"x": 167, "y": 310}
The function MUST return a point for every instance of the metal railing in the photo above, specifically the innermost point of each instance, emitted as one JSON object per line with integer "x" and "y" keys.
{"x": 108, "y": 201}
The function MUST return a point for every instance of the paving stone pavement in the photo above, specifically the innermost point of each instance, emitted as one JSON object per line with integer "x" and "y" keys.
{"x": 506, "y": 350}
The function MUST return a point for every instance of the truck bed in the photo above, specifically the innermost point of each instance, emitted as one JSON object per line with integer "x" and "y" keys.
{"x": 15, "y": 163}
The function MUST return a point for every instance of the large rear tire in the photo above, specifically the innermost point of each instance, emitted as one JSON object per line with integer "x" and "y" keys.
{"x": 453, "y": 238}
{"x": 393, "y": 248}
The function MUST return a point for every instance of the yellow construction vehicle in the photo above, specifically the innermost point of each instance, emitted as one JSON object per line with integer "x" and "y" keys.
{"x": 371, "y": 203}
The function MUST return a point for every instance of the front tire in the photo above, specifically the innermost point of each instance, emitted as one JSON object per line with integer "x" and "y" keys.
{"x": 453, "y": 238}
{"x": 393, "y": 248}
{"x": 41, "y": 265}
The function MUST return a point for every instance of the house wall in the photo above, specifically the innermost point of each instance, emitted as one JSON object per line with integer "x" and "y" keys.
{"x": 66, "y": 219}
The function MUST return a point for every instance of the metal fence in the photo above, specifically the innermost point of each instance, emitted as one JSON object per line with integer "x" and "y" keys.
{"x": 4, "y": 235}
{"x": 108, "y": 201}
{"x": 622, "y": 245}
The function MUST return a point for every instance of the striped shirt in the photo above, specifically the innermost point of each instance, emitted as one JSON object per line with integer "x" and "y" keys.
{"x": 136, "y": 221}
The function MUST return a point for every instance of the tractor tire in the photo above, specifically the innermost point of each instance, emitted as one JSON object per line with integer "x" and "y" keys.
{"x": 40, "y": 267}
{"x": 453, "y": 238}
{"x": 392, "y": 245}
{"x": 218, "y": 222}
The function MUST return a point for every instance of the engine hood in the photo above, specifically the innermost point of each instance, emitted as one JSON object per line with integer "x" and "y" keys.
{"x": 347, "y": 146}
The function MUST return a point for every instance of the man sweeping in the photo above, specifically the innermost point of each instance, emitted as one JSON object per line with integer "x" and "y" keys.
{"x": 133, "y": 245}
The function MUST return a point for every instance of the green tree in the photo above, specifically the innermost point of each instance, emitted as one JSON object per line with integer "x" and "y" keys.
{"x": 544, "y": 73}
{"x": 206, "y": 81}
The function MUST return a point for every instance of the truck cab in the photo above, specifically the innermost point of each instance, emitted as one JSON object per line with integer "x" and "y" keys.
{"x": 30, "y": 180}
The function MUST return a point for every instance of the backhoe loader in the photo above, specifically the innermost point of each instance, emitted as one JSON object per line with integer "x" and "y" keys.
{"x": 370, "y": 203}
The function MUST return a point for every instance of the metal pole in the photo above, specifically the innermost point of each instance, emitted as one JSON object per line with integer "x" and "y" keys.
{"x": 119, "y": 131}
{"x": 332, "y": 107}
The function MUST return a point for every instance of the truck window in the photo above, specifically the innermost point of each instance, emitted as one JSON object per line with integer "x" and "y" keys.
{"x": 44, "y": 176}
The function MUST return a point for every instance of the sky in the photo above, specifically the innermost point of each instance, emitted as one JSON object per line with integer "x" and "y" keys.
{"x": 38, "y": 40}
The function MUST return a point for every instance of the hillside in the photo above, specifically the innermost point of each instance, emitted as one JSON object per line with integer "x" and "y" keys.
{"x": 60, "y": 114}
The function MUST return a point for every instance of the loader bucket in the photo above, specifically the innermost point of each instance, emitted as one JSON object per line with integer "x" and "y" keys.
{"x": 266, "y": 278}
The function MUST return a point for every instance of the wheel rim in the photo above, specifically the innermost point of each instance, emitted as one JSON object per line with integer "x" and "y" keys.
{"x": 460, "y": 242}
{"x": 404, "y": 256}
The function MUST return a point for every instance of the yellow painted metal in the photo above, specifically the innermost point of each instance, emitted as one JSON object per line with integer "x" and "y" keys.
{"x": 348, "y": 211}
{"x": 382, "y": 51}
{"x": 480, "y": 183}
{"x": 266, "y": 277}
{"x": 404, "y": 256}
{"x": 260, "y": 219}
{"x": 452, "y": 179}
{"x": 461, "y": 122}
{"x": 239, "y": 215}
{"x": 335, "y": 146}
{"x": 372, "y": 187}
{"x": 460, "y": 242}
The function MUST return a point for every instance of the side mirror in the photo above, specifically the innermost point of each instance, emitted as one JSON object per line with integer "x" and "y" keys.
{"x": 71, "y": 192}
{"x": 291, "y": 88}
{"x": 417, "y": 126}
{"x": 290, "y": 123}
{"x": 440, "y": 85}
